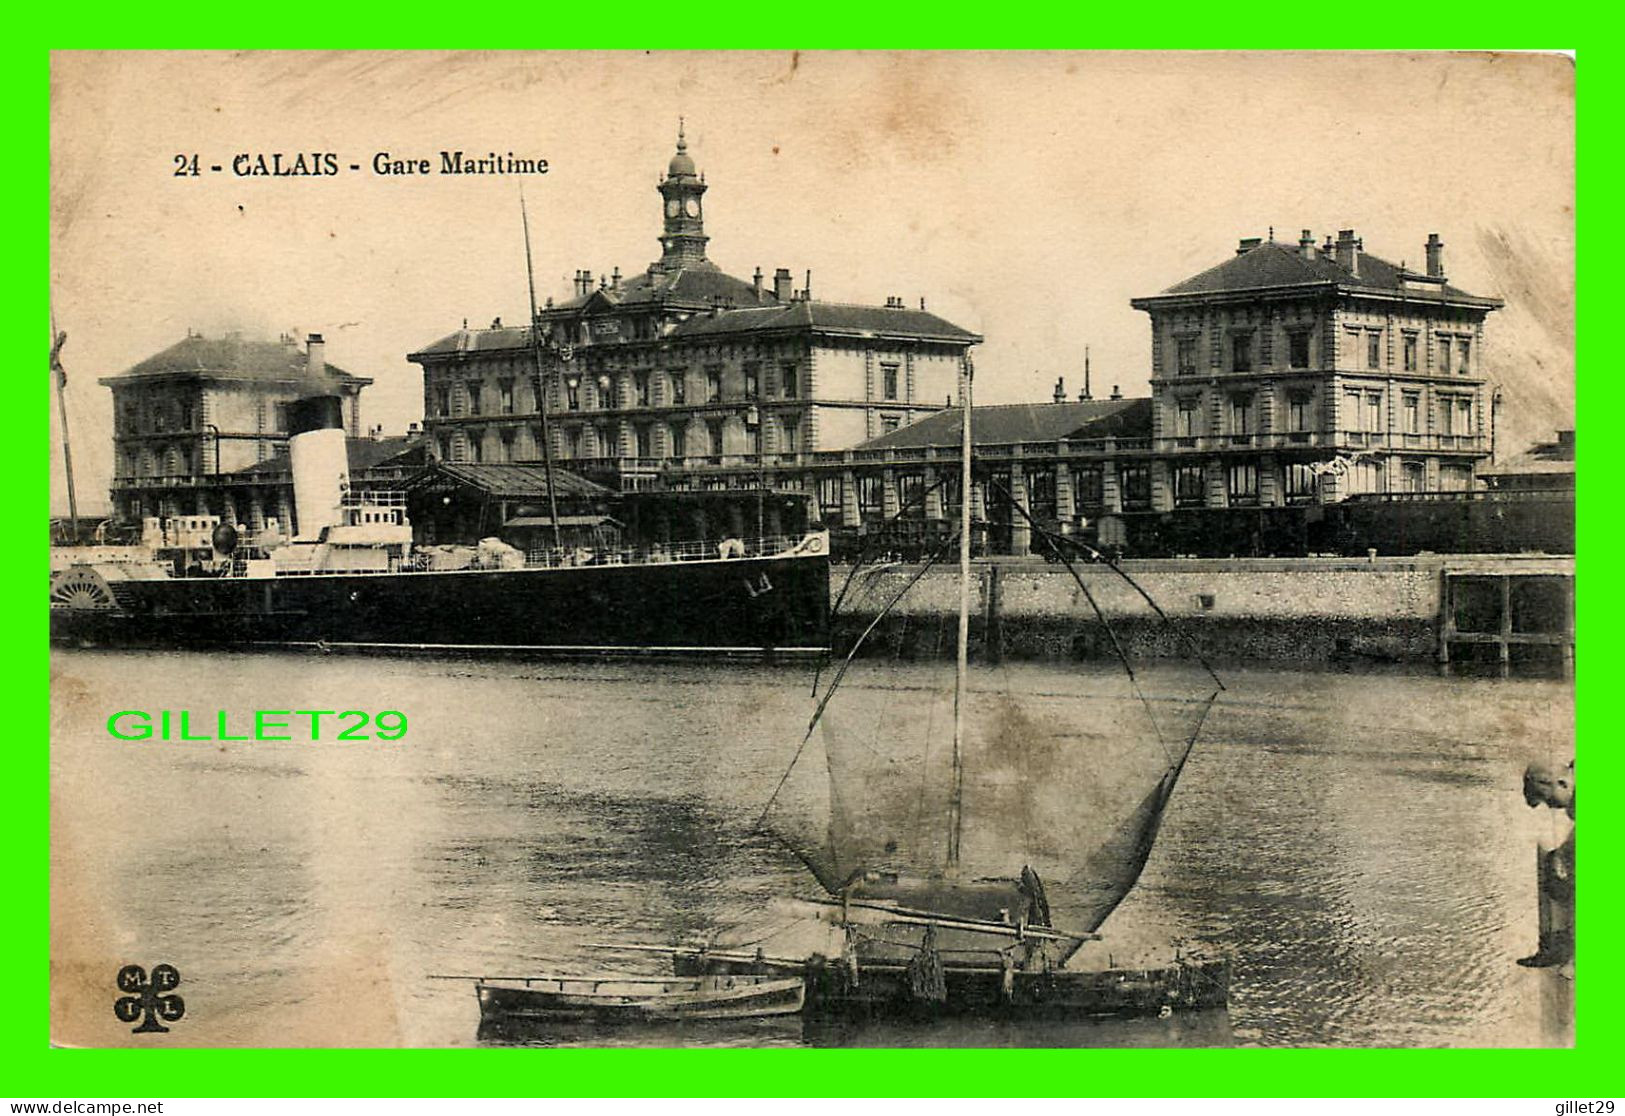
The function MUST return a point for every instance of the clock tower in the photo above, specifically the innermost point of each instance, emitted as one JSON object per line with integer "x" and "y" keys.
{"x": 683, "y": 240}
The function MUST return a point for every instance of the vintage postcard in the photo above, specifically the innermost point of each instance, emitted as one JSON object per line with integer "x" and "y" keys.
{"x": 811, "y": 548}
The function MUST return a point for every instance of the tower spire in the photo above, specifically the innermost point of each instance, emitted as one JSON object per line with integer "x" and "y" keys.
{"x": 683, "y": 238}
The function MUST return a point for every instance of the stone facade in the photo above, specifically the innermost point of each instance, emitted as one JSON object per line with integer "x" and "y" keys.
{"x": 190, "y": 417}
{"x": 684, "y": 377}
{"x": 1295, "y": 374}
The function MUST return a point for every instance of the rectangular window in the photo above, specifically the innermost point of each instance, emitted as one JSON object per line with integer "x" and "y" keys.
{"x": 787, "y": 373}
{"x": 911, "y": 494}
{"x": 1301, "y": 484}
{"x": 1447, "y": 416}
{"x": 1410, "y": 352}
{"x": 714, "y": 429}
{"x": 679, "y": 440}
{"x": 1297, "y": 413}
{"x": 888, "y": 378}
{"x": 889, "y": 423}
{"x": 1373, "y": 348}
{"x": 753, "y": 382}
{"x": 443, "y": 446}
{"x": 1243, "y": 484}
{"x": 476, "y": 448}
{"x": 1444, "y": 355}
{"x": 1373, "y": 413}
{"x": 505, "y": 395}
{"x": 1241, "y": 352}
{"x": 1089, "y": 489}
{"x": 679, "y": 388}
{"x": 1414, "y": 476}
{"x": 1186, "y": 426}
{"x": 713, "y": 384}
{"x": 1136, "y": 487}
{"x": 1188, "y": 486}
{"x": 829, "y": 497}
{"x": 473, "y": 398}
{"x": 640, "y": 388}
{"x": 645, "y": 440}
{"x": 869, "y": 494}
{"x": 1298, "y": 348}
{"x": 575, "y": 443}
{"x": 1187, "y": 356}
{"x": 508, "y": 437}
{"x": 1455, "y": 478}
{"x": 789, "y": 431}
{"x": 572, "y": 393}
{"x": 1241, "y": 415}
{"x": 1352, "y": 401}
{"x": 1413, "y": 412}
{"x": 1464, "y": 352}
{"x": 1464, "y": 415}
{"x": 442, "y": 400}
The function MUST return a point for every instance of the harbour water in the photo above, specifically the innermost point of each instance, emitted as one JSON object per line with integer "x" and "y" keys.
{"x": 1357, "y": 843}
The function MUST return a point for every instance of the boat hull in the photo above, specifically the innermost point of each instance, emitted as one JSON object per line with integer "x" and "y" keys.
{"x": 742, "y": 605}
{"x": 887, "y": 990}
{"x": 522, "y": 1003}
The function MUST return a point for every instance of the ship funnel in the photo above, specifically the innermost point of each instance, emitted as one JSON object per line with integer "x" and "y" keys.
{"x": 321, "y": 468}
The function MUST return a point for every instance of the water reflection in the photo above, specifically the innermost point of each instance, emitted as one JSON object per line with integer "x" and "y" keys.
{"x": 1357, "y": 843}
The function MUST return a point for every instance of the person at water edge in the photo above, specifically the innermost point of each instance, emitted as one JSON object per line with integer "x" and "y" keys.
{"x": 1550, "y": 784}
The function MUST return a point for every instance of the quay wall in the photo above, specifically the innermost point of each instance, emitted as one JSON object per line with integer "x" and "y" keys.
{"x": 1287, "y": 610}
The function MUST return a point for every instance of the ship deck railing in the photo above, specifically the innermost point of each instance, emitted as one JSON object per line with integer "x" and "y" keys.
{"x": 661, "y": 554}
{"x": 565, "y": 558}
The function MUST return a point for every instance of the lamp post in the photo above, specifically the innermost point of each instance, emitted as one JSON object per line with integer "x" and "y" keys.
{"x": 753, "y": 421}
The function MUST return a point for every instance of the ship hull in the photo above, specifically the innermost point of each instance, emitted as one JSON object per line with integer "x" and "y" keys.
{"x": 742, "y": 605}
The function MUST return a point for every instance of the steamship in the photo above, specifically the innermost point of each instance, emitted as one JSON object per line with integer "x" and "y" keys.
{"x": 351, "y": 578}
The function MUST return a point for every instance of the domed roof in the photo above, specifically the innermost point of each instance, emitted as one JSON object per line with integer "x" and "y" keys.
{"x": 681, "y": 163}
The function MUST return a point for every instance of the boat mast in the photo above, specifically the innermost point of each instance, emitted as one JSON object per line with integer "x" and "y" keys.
{"x": 61, "y": 377}
{"x": 541, "y": 382}
{"x": 967, "y": 372}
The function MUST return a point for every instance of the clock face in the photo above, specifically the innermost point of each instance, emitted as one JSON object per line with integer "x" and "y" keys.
{"x": 673, "y": 207}
{"x": 693, "y": 207}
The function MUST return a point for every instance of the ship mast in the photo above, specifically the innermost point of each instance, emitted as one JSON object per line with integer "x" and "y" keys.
{"x": 541, "y": 381}
{"x": 956, "y": 795}
{"x": 61, "y": 376}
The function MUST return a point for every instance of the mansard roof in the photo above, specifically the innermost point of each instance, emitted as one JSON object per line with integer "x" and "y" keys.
{"x": 1274, "y": 265}
{"x": 233, "y": 357}
{"x": 1024, "y": 422}
{"x": 803, "y": 315}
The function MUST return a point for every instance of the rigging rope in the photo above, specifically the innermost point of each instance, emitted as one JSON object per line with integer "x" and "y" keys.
{"x": 835, "y": 682}
{"x": 1122, "y": 655}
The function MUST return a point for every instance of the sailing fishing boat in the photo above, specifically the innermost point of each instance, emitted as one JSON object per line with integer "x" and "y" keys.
{"x": 927, "y": 908}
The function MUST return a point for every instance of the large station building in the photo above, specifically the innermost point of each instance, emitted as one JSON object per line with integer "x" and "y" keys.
{"x": 681, "y": 376}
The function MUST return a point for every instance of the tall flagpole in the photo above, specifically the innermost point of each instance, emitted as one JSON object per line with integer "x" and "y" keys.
{"x": 541, "y": 380}
{"x": 61, "y": 377}
{"x": 956, "y": 795}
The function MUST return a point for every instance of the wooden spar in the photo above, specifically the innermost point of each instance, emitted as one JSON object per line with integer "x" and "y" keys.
{"x": 913, "y": 917}
{"x": 541, "y": 383}
{"x": 956, "y": 795}
{"x": 61, "y": 378}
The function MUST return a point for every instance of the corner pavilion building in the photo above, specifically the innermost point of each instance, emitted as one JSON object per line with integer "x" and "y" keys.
{"x": 1297, "y": 374}
{"x": 681, "y": 377}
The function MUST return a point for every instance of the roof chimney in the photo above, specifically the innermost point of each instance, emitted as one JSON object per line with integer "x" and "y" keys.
{"x": 1248, "y": 243}
{"x": 315, "y": 356}
{"x": 586, "y": 282}
{"x": 1435, "y": 251}
{"x": 757, "y": 281}
{"x": 1348, "y": 251}
{"x": 1117, "y": 392}
{"x": 806, "y": 292}
{"x": 1085, "y": 395}
{"x": 615, "y": 280}
{"x": 1060, "y": 389}
{"x": 1306, "y": 245}
{"x": 781, "y": 284}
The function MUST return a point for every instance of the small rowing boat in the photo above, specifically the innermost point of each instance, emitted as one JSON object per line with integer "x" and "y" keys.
{"x": 623, "y": 999}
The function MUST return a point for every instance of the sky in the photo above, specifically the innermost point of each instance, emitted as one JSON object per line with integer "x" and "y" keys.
{"x": 1025, "y": 196}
